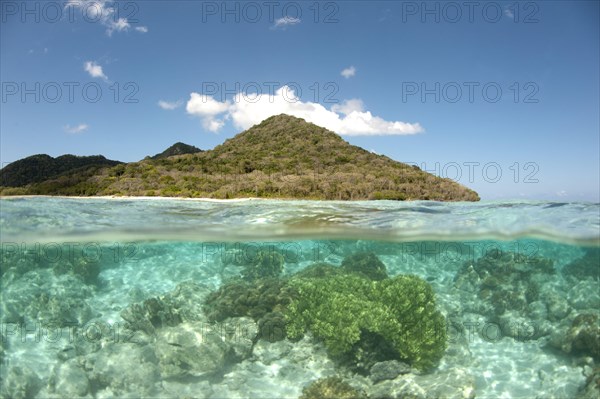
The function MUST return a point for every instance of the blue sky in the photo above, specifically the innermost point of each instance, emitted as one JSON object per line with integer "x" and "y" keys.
{"x": 501, "y": 96}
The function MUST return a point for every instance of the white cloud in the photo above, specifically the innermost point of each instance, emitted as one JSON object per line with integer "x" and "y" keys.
{"x": 82, "y": 127}
{"x": 94, "y": 70}
{"x": 349, "y": 106}
{"x": 508, "y": 12}
{"x": 348, "y": 72}
{"x": 119, "y": 25}
{"x": 285, "y": 22}
{"x": 105, "y": 12}
{"x": 246, "y": 111}
{"x": 169, "y": 106}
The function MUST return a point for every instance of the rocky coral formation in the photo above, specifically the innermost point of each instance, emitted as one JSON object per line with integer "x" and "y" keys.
{"x": 110, "y": 372}
{"x": 580, "y": 337}
{"x": 591, "y": 389}
{"x": 452, "y": 384}
{"x": 69, "y": 380}
{"x": 262, "y": 300}
{"x": 366, "y": 263}
{"x": 44, "y": 298}
{"x": 388, "y": 370}
{"x": 183, "y": 304}
{"x": 199, "y": 349}
{"x": 355, "y": 316}
{"x": 266, "y": 263}
{"x": 20, "y": 383}
{"x": 506, "y": 287}
{"x": 331, "y": 388}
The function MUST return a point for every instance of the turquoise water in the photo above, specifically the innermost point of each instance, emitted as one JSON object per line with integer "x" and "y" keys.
{"x": 118, "y": 297}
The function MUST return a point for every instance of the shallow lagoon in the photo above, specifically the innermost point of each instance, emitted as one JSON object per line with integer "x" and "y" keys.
{"x": 117, "y": 297}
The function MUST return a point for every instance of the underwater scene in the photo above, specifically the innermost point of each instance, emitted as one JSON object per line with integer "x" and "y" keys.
{"x": 167, "y": 298}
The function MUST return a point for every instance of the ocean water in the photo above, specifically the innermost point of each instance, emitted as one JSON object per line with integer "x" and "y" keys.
{"x": 156, "y": 297}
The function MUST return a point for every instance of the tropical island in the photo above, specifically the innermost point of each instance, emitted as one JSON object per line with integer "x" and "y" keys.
{"x": 282, "y": 157}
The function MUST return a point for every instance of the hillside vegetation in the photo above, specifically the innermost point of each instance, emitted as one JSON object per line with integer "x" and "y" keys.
{"x": 41, "y": 167}
{"x": 282, "y": 157}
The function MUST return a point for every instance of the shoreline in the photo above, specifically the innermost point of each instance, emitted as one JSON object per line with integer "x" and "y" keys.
{"x": 117, "y": 197}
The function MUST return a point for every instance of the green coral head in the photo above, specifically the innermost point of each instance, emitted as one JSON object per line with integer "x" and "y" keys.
{"x": 339, "y": 308}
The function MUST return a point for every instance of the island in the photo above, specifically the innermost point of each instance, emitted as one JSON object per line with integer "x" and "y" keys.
{"x": 282, "y": 157}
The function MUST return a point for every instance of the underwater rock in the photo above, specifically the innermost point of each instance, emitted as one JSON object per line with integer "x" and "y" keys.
{"x": 266, "y": 263}
{"x": 111, "y": 372}
{"x": 239, "y": 333}
{"x": 584, "y": 335}
{"x": 14, "y": 264}
{"x": 201, "y": 349}
{"x": 388, "y": 370}
{"x": 557, "y": 307}
{"x": 190, "y": 350}
{"x": 366, "y": 263}
{"x": 85, "y": 269}
{"x": 69, "y": 380}
{"x": 276, "y": 370}
{"x": 579, "y": 335}
{"x": 20, "y": 383}
{"x": 41, "y": 297}
{"x": 331, "y": 388}
{"x": 585, "y": 295}
{"x": 510, "y": 290}
{"x": 591, "y": 389}
{"x": 184, "y": 303}
{"x": 456, "y": 383}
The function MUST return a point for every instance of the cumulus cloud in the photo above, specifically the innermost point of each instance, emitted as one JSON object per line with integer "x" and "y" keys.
{"x": 94, "y": 70}
{"x": 169, "y": 106}
{"x": 105, "y": 12}
{"x": 348, "y": 118}
{"x": 348, "y": 72}
{"x": 284, "y": 22}
{"x": 349, "y": 106}
{"x": 508, "y": 12}
{"x": 82, "y": 127}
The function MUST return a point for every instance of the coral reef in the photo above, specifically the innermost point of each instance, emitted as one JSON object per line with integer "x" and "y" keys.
{"x": 183, "y": 304}
{"x": 262, "y": 300}
{"x": 366, "y": 263}
{"x": 350, "y": 312}
{"x": 506, "y": 287}
{"x": 266, "y": 263}
{"x": 331, "y": 388}
{"x": 581, "y": 337}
